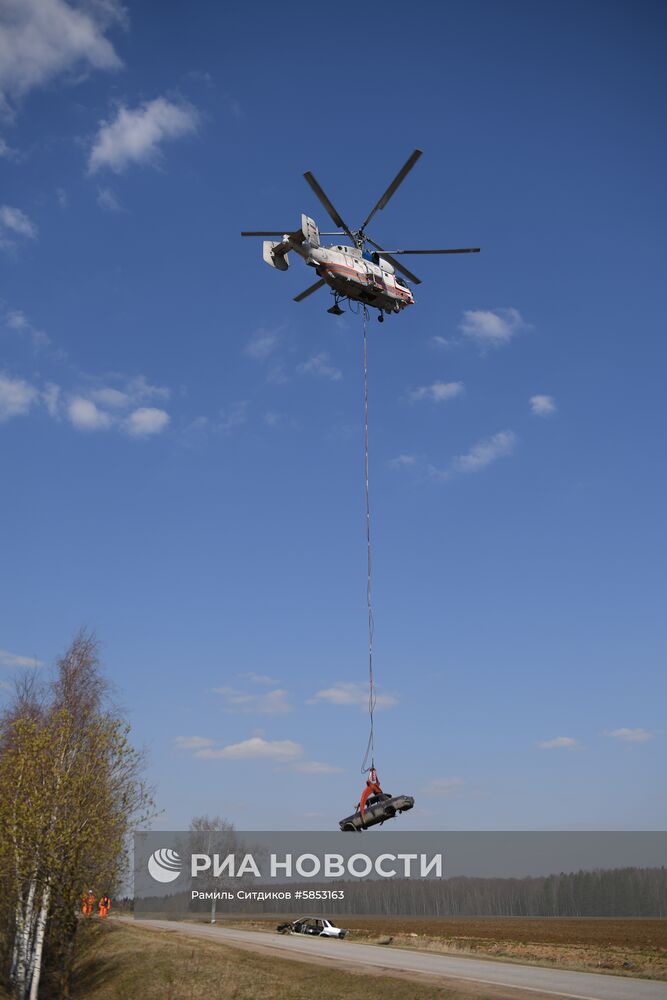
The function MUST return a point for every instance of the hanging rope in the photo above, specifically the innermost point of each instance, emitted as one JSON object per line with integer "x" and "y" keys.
{"x": 369, "y": 757}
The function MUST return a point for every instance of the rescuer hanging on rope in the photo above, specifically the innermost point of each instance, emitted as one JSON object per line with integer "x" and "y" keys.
{"x": 374, "y": 806}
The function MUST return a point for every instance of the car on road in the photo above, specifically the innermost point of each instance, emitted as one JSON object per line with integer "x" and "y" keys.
{"x": 378, "y": 809}
{"x": 316, "y": 926}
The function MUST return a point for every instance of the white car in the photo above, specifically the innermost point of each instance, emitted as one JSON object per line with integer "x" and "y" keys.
{"x": 317, "y": 926}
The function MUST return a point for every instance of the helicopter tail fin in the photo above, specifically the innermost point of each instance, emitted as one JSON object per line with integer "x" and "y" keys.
{"x": 275, "y": 254}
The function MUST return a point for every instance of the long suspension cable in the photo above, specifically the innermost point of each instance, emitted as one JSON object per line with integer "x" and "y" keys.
{"x": 370, "y": 749}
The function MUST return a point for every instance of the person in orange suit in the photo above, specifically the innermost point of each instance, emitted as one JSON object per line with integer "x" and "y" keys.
{"x": 104, "y": 905}
{"x": 88, "y": 903}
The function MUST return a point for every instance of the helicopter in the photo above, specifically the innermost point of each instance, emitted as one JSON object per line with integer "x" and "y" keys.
{"x": 354, "y": 273}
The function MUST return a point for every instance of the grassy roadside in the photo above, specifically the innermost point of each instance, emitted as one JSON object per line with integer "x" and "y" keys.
{"x": 630, "y": 947}
{"x": 123, "y": 962}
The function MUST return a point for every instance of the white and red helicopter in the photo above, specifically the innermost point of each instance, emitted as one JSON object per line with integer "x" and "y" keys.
{"x": 353, "y": 273}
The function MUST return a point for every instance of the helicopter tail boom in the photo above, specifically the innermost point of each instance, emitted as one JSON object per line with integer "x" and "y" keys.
{"x": 303, "y": 240}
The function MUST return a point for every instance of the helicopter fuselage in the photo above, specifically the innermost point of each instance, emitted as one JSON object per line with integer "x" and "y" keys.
{"x": 349, "y": 272}
{"x": 352, "y": 276}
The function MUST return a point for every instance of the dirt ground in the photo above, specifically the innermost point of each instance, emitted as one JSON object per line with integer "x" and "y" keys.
{"x": 636, "y": 947}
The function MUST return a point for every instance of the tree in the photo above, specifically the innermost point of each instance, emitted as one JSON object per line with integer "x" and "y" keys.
{"x": 207, "y": 833}
{"x": 70, "y": 790}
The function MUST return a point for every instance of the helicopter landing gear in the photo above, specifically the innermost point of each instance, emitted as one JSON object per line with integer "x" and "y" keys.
{"x": 380, "y": 317}
{"x": 335, "y": 309}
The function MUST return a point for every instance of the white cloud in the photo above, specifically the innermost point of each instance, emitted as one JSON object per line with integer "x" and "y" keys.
{"x": 17, "y": 321}
{"x": 631, "y": 735}
{"x": 193, "y": 742}
{"x": 267, "y": 703}
{"x": 319, "y": 365}
{"x": 262, "y": 344}
{"x": 6, "y": 152}
{"x": 403, "y": 462}
{"x": 16, "y": 397}
{"x": 135, "y": 135}
{"x": 51, "y": 398}
{"x": 235, "y": 415}
{"x": 107, "y": 200}
{"x": 316, "y": 767}
{"x": 491, "y": 328}
{"x": 542, "y": 406}
{"x": 254, "y": 678}
{"x": 145, "y": 421}
{"x": 442, "y": 342}
{"x": 14, "y": 222}
{"x": 41, "y": 39}
{"x": 108, "y": 396}
{"x": 438, "y": 392}
{"x": 559, "y": 743}
{"x": 86, "y": 416}
{"x": 485, "y": 452}
{"x": 17, "y": 222}
{"x": 8, "y": 659}
{"x": 443, "y": 787}
{"x": 351, "y": 693}
{"x": 255, "y": 748}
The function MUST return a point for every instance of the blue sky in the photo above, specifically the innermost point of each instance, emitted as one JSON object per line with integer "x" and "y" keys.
{"x": 182, "y": 444}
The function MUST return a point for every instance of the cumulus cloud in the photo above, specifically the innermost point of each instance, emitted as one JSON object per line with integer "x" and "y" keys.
{"x": 262, "y": 344}
{"x": 491, "y": 328}
{"x": 403, "y": 462}
{"x": 438, "y": 392}
{"x": 559, "y": 743}
{"x": 233, "y": 416}
{"x": 254, "y": 678}
{"x": 8, "y": 659}
{"x": 14, "y": 223}
{"x": 16, "y": 397}
{"x": 42, "y": 39}
{"x": 485, "y": 452}
{"x": 107, "y": 200}
{"x": 145, "y": 421}
{"x": 441, "y": 342}
{"x": 319, "y": 365}
{"x": 51, "y": 394}
{"x": 136, "y": 135}
{"x": 255, "y": 748}
{"x": 351, "y": 693}
{"x": 443, "y": 787}
{"x": 273, "y": 702}
{"x": 17, "y": 222}
{"x": 106, "y": 406}
{"x": 631, "y": 735}
{"x": 192, "y": 742}
{"x": 542, "y": 406}
{"x": 17, "y": 321}
{"x": 86, "y": 416}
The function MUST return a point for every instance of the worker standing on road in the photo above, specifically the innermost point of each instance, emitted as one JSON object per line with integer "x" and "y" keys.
{"x": 104, "y": 905}
{"x": 88, "y": 903}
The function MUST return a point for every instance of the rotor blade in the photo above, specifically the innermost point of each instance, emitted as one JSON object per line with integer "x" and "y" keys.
{"x": 266, "y": 232}
{"x": 392, "y": 260}
{"x": 327, "y": 204}
{"x": 461, "y": 250}
{"x": 397, "y": 181}
{"x": 309, "y": 291}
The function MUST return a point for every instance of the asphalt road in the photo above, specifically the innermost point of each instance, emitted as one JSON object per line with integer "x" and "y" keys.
{"x": 551, "y": 982}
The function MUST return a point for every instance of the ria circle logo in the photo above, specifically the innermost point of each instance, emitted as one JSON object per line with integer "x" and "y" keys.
{"x": 164, "y": 865}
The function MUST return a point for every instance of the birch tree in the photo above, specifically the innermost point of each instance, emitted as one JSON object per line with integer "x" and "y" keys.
{"x": 70, "y": 789}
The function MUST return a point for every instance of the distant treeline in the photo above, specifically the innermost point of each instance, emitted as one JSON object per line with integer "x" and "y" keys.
{"x": 618, "y": 892}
